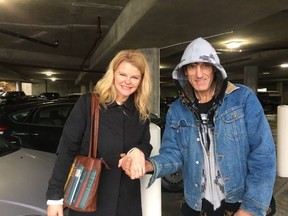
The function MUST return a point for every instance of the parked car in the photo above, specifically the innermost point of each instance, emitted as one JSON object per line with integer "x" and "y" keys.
{"x": 158, "y": 121}
{"x": 11, "y": 97}
{"x": 49, "y": 95}
{"x": 73, "y": 96}
{"x": 269, "y": 100}
{"x": 24, "y": 179}
{"x": 35, "y": 125}
{"x": 38, "y": 125}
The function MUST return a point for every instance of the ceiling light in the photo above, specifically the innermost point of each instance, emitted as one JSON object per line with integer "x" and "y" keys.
{"x": 284, "y": 65}
{"x": 233, "y": 44}
{"x": 262, "y": 90}
{"x": 48, "y": 74}
{"x": 90, "y": 4}
{"x": 53, "y": 79}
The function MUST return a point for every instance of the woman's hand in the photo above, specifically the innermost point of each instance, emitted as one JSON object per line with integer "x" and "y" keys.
{"x": 55, "y": 210}
{"x": 133, "y": 163}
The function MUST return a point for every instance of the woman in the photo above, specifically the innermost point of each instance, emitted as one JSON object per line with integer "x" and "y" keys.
{"x": 123, "y": 95}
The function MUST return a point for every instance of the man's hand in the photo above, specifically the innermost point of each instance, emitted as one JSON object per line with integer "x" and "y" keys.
{"x": 241, "y": 212}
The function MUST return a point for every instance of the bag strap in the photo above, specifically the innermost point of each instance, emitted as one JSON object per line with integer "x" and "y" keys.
{"x": 94, "y": 129}
{"x": 94, "y": 125}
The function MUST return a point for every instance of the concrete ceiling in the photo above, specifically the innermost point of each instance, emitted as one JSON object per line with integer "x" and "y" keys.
{"x": 76, "y": 39}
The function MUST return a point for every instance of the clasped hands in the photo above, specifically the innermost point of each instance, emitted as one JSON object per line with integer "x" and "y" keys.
{"x": 133, "y": 163}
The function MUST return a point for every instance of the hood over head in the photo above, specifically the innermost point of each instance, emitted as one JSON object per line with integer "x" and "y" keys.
{"x": 199, "y": 50}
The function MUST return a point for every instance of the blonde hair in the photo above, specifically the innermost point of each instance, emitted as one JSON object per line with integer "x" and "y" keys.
{"x": 105, "y": 86}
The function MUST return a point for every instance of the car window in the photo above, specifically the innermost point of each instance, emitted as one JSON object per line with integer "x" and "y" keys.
{"x": 13, "y": 94}
{"x": 20, "y": 116}
{"x": 55, "y": 115}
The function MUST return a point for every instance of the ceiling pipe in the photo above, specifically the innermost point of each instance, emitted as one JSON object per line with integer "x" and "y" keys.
{"x": 55, "y": 44}
{"x": 98, "y": 37}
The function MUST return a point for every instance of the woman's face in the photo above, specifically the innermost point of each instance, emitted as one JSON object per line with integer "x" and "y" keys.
{"x": 200, "y": 76}
{"x": 126, "y": 80}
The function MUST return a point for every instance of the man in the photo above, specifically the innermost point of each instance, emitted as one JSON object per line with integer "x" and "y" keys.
{"x": 217, "y": 133}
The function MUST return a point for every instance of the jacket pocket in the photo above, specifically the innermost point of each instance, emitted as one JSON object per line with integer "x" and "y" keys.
{"x": 234, "y": 124}
{"x": 184, "y": 133}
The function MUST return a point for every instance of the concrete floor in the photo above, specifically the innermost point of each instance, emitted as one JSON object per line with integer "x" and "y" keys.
{"x": 171, "y": 202}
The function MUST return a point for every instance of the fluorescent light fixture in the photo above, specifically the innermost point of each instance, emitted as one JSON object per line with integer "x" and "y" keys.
{"x": 233, "y": 44}
{"x": 285, "y": 65}
{"x": 49, "y": 74}
{"x": 53, "y": 79}
{"x": 262, "y": 90}
{"x": 90, "y": 4}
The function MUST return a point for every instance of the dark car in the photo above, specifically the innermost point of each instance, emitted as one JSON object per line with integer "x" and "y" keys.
{"x": 36, "y": 125}
{"x": 39, "y": 124}
{"x": 270, "y": 101}
{"x": 158, "y": 121}
{"x": 49, "y": 95}
{"x": 12, "y": 97}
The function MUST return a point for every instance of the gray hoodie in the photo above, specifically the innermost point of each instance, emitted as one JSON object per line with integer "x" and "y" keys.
{"x": 199, "y": 50}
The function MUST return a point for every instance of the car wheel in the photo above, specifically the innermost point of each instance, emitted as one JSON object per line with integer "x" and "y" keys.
{"x": 173, "y": 182}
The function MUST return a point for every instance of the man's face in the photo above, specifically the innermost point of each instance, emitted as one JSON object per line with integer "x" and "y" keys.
{"x": 200, "y": 75}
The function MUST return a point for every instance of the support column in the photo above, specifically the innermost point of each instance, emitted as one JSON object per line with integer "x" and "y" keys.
{"x": 91, "y": 86}
{"x": 83, "y": 89}
{"x": 18, "y": 86}
{"x": 153, "y": 58}
{"x": 251, "y": 77}
{"x": 285, "y": 95}
{"x": 279, "y": 88}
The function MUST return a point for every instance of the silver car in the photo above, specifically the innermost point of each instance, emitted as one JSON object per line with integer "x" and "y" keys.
{"x": 24, "y": 176}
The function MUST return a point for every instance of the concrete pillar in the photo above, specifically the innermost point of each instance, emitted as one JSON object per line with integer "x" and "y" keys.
{"x": 251, "y": 77}
{"x": 153, "y": 58}
{"x": 285, "y": 95}
{"x": 18, "y": 86}
{"x": 279, "y": 88}
{"x": 91, "y": 86}
{"x": 83, "y": 89}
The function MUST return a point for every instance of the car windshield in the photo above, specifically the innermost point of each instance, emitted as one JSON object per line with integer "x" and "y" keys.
{"x": 13, "y": 94}
{"x": 6, "y": 147}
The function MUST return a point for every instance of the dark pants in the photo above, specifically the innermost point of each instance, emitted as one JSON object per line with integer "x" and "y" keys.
{"x": 226, "y": 209}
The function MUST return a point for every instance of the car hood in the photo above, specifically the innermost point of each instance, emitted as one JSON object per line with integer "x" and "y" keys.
{"x": 23, "y": 182}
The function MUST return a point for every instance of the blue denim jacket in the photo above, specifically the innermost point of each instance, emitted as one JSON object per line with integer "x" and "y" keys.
{"x": 245, "y": 150}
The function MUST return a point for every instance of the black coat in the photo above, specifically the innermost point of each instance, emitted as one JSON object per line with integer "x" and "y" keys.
{"x": 119, "y": 131}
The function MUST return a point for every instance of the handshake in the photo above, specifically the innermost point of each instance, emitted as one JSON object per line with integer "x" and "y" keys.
{"x": 134, "y": 164}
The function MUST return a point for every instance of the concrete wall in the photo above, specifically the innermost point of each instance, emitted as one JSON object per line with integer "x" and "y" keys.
{"x": 63, "y": 87}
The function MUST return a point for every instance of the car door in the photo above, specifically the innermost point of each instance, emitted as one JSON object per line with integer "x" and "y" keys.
{"x": 47, "y": 125}
{"x": 43, "y": 130}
